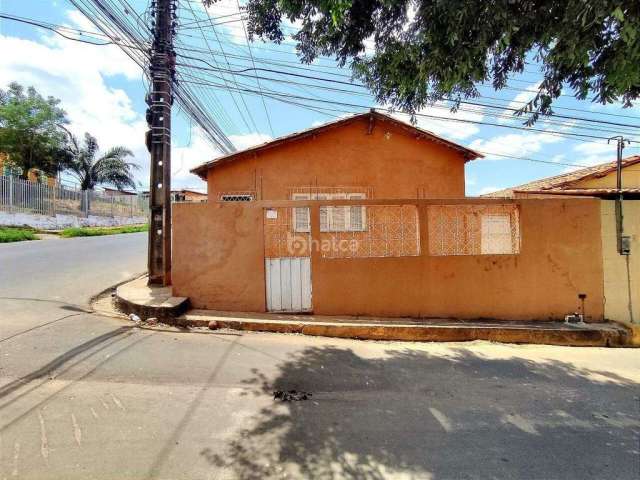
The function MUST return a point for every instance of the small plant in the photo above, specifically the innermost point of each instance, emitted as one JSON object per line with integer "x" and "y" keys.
{"x": 97, "y": 231}
{"x": 16, "y": 234}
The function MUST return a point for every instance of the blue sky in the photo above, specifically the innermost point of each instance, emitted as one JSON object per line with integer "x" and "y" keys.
{"x": 103, "y": 93}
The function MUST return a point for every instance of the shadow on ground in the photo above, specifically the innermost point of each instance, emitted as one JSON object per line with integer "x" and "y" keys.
{"x": 414, "y": 415}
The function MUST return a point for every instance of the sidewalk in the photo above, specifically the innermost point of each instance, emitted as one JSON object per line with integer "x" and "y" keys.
{"x": 137, "y": 297}
{"x": 417, "y": 330}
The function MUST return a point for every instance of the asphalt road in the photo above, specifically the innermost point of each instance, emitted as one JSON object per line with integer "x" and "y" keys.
{"x": 85, "y": 396}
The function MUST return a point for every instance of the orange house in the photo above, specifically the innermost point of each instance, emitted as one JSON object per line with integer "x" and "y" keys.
{"x": 368, "y": 216}
{"x": 33, "y": 175}
{"x": 371, "y": 154}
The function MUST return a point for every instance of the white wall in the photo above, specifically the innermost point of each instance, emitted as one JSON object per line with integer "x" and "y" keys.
{"x": 621, "y": 273}
{"x": 58, "y": 222}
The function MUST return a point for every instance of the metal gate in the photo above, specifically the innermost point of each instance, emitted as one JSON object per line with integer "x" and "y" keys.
{"x": 288, "y": 284}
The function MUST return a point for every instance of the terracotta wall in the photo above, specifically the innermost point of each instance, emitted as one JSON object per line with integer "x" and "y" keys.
{"x": 218, "y": 256}
{"x": 390, "y": 161}
{"x": 219, "y": 264}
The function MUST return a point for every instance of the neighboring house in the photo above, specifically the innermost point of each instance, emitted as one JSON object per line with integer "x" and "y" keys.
{"x": 114, "y": 192}
{"x": 621, "y": 272}
{"x": 7, "y": 169}
{"x": 598, "y": 181}
{"x": 184, "y": 195}
{"x": 187, "y": 195}
{"x": 367, "y": 215}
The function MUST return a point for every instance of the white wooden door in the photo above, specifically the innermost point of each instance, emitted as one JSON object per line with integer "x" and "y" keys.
{"x": 288, "y": 284}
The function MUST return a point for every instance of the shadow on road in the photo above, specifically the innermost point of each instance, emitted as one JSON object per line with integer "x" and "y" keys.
{"x": 60, "y": 361}
{"x": 104, "y": 341}
{"x": 416, "y": 415}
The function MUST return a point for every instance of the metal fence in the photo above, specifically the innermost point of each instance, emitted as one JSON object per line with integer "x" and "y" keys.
{"x": 22, "y": 196}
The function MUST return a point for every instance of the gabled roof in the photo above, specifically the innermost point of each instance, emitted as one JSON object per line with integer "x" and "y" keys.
{"x": 565, "y": 182}
{"x": 372, "y": 115}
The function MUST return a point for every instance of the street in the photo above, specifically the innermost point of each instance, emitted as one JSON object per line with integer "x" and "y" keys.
{"x": 86, "y": 396}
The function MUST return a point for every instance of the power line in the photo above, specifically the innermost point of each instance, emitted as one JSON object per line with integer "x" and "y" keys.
{"x": 264, "y": 105}
{"x": 54, "y": 30}
{"x": 317, "y": 69}
{"x": 244, "y": 120}
{"x": 460, "y": 120}
{"x": 443, "y": 107}
{"x": 312, "y": 77}
{"x": 140, "y": 47}
{"x": 284, "y": 63}
{"x": 324, "y": 57}
{"x": 108, "y": 19}
{"x": 471, "y": 109}
{"x": 514, "y": 157}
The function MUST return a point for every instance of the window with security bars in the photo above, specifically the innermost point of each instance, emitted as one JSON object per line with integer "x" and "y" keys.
{"x": 473, "y": 230}
{"x": 339, "y": 218}
{"x": 236, "y": 197}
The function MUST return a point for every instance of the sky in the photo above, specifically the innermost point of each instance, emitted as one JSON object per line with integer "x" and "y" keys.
{"x": 103, "y": 90}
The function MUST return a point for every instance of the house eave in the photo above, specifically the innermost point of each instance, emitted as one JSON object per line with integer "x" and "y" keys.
{"x": 201, "y": 170}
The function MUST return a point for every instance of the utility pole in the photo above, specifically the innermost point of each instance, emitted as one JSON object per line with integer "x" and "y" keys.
{"x": 159, "y": 100}
{"x": 622, "y": 241}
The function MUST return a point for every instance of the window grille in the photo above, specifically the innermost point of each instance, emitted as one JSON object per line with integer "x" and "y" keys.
{"x": 301, "y": 215}
{"x": 473, "y": 229}
{"x": 234, "y": 197}
{"x": 391, "y": 231}
{"x": 341, "y": 218}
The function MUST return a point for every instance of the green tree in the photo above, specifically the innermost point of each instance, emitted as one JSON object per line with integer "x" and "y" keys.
{"x": 30, "y": 129}
{"x": 428, "y": 50}
{"x": 111, "y": 168}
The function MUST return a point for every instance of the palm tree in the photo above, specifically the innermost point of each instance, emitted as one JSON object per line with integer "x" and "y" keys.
{"x": 111, "y": 168}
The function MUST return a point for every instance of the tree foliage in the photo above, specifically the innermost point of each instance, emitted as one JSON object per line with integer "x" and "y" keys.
{"x": 30, "y": 129}
{"x": 427, "y": 50}
{"x": 112, "y": 168}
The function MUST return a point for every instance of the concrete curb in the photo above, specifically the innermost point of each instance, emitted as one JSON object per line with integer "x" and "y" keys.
{"x": 137, "y": 297}
{"x": 634, "y": 332}
{"x": 610, "y": 336}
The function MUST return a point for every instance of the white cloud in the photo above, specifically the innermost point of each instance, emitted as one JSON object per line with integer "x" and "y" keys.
{"x": 446, "y": 128}
{"x": 200, "y": 150}
{"x": 185, "y": 158}
{"x": 596, "y": 148}
{"x": 471, "y": 180}
{"x": 518, "y": 102}
{"x": 485, "y": 190}
{"x": 524, "y": 97}
{"x": 515, "y": 144}
{"x": 230, "y": 24}
{"x": 592, "y": 153}
{"x": 76, "y": 73}
{"x": 319, "y": 123}
{"x": 249, "y": 140}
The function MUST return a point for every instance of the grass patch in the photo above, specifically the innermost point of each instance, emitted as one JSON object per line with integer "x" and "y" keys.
{"x": 97, "y": 231}
{"x": 16, "y": 234}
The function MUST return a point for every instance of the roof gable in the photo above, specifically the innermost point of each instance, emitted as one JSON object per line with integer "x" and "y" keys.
{"x": 372, "y": 117}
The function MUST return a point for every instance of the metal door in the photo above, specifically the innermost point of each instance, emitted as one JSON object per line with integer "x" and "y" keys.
{"x": 288, "y": 284}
